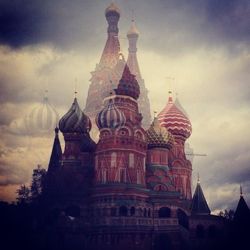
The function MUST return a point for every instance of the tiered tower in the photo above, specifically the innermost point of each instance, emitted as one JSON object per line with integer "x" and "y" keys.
{"x": 104, "y": 78}
{"x": 160, "y": 141}
{"x": 70, "y": 172}
{"x": 121, "y": 150}
{"x": 132, "y": 62}
{"x": 177, "y": 123}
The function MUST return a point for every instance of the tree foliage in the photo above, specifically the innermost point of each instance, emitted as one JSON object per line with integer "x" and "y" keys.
{"x": 23, "y": 195}
{"x": 227, "y": 214}
{"x": 37, "y": 184}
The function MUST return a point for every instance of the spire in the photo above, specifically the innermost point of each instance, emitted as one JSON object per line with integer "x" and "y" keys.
{"x": 199, "y": 204}
{"x": 56, "y": 154}
{"x": 170, "y": 98}
{"x": 242, "y": 212}
{"x": 132, "y": 61}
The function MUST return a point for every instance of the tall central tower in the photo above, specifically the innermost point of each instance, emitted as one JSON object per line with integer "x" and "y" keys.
{"x": 104, "y": 78}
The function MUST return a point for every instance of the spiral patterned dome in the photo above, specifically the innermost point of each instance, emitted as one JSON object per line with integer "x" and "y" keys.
{"x": 110, "y": 117}
{"x": 41, "y": 119}
{"x": 112, "y": 8}
{"x": 158, "y": 136}
{"x": 128, "y": 84}
{"x": 175, "y": 120}
{"x": 75, "y": 121}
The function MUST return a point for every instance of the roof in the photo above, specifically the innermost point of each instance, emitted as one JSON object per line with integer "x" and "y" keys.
{"x": 56, "y": 154}
{"x": 199, "y": 204}
{"x": 242, "y": 212}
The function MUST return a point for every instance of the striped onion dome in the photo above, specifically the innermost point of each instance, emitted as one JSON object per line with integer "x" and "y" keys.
{"x": 175, "y": 120}
{"x": 158, "y": 136}
{"x": 43, "y": 118}
{"x": 112, "y": 8}
{"x": 75, "y": 121}
{"x": 110, "y": 117}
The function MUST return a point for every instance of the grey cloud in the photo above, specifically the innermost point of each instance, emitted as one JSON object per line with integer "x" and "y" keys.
{"x": 172, "y": 26}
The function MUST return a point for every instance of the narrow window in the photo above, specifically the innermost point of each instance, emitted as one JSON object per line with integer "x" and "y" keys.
{"x": 131, "y": 160}
{"x": 113, "y": 159}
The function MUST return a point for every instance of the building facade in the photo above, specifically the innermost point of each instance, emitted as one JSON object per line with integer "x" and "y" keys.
{"x": 131, "y": 189}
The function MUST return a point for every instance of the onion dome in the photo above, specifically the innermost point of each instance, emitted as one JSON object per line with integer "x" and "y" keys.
{"x": 110, "y": 117}
{"x": 43, "y": 118}
{"x": 175, "y": 120}
{"x": 158, "y": 136}
{"x": 128, "y": 84}
{"x": 112, "y": 9}
{"x": 75, "y": 121}
{"x": 133, "y": 30}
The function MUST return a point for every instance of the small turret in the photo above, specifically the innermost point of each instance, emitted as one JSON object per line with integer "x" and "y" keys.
{"x": 56, "y": 154}
{"x": 199, "y": 204}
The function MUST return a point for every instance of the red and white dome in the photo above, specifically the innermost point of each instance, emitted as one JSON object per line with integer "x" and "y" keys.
{"x": 175, "y": 120}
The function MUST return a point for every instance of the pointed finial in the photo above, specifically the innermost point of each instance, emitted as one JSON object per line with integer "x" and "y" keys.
{"x": 155, "y": 112}
{"x": 198, "y": 178}
{"x": 132, "y": 15}
{"x": 75, "y": 87}
{"x": 56, "y": 130}
{"x": 241, "y": 193}
{"x": 170, "y": 81}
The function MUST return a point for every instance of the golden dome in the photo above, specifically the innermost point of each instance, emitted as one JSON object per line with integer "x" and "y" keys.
{"x": 112, "y": 8}
{"x": 158, "y": 136}
{"x": 133, "y": 29}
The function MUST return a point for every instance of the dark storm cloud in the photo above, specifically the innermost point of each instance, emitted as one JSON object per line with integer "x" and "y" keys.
{"x": 170, "y": 25}
{"x": 24, "y": 22}
{"x": 231, "y": 18}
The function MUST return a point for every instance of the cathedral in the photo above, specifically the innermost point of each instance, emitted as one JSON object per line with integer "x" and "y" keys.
{"x": 130, "y": 187}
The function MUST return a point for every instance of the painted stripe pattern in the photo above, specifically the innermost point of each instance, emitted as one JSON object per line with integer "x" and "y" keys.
{"x": 110, "y": 117}
{"x": 75, "y": 121}
{"x": 42, "y": 118}
{"x": 175, "y": 120}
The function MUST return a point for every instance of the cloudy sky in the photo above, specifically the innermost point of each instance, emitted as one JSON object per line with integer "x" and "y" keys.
{"x": 203, "y": 45}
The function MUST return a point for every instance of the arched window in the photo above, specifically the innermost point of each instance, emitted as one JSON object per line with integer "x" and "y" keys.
{"x": 164, "y": 212}
{"x": 104, "y": 176}
{"x": 131, "y": 160}
{"x": 140, "y": 212}
{"x": 200, "y": 231}
{"x": 149, "y": 212}
{"x": 182, "y": 218}
{"x": 113, "y": 159}
{"x": 122, "y": 175}
{"x": 138, "y": 177}
{"x": 132, "y": 211}
{"x": 123, "y": 211}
